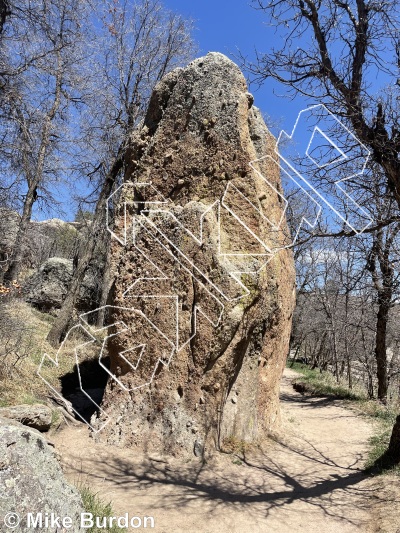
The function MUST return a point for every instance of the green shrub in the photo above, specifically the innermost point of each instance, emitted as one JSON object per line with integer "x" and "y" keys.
{"x": 97, "y": 507}
{"x": 325, "y": 384}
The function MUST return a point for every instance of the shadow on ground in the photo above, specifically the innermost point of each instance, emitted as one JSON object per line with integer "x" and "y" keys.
{"x": 259, "y": 483}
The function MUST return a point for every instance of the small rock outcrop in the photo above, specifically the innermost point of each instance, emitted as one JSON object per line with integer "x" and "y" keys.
{"x": 47, "y": 288}
{"x": 32, "y": 481}
{"x": 201, "y": 308}
{"x": 48, "y": 238}
{"x": 35, "y": 416}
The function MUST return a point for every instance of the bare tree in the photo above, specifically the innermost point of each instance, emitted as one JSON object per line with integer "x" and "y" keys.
{"x": 363, "y": 269}
{"x": 142, "y": 43}
{"x": 36, "y": 102}
{"x": 330, "y": 52}
{"x": 385, "y": 279}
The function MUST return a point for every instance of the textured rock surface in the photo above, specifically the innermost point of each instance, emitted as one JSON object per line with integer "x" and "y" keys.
{"x": 47, "y": 288}
{"x": 31, "y": 479}
{"x": 35, "y": 416}
{"x": 51, "y": 238}
{"x": 222, "y": 341}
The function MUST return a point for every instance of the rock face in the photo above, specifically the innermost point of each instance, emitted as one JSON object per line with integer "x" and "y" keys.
{"x": 202, "y": 303}
{"x": 44, "y": 239}
{"x": 35, "y": 416}
{"x": 51, "y": 238}
{"x": 47, "y": 288}
{"x": 31, "y": 479}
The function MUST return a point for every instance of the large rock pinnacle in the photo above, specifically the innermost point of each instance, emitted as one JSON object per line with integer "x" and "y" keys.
{"x": 204, "y": 288}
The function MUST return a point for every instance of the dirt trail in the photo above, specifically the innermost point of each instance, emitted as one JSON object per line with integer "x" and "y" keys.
{"x": 310, "y": 481}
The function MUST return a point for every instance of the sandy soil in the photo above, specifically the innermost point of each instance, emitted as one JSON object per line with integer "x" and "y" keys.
{"x": 308, "y": 481}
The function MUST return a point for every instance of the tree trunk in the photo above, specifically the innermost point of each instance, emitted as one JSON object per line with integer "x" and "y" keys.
{"x": 392, "y": 454}
{"x": 85, "y": 255}
{"x": 34, "y": 178}
{"x": 14, "y": 261}
{"x": 106, "y": 284}
{"x": 4, "y": 12}
{"x": 346, "y": 344}
{"x": 380, "y": 347}
{"x": 335, "y": 354}
{"x": 349, "y": 374}
{"x": 370, "y": 385}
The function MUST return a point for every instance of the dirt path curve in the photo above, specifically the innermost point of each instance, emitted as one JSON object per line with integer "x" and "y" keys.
{"x": 308, "y": 481}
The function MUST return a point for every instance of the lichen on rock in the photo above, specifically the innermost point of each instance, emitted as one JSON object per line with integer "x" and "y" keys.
{"x": 32, "y": 481}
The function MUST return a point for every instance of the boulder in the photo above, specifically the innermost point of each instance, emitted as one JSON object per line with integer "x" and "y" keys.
{"x": 200, "y": 312}
{"x": 44, "y": 239}
{"x": 51, "y": 238}
{"x": 47, "y": 288}
{"x": 35, "y": 416}
{"x": 32, "y": 481}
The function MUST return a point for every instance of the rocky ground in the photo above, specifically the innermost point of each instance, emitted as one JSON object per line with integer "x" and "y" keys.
{"x": 311, "y": 480}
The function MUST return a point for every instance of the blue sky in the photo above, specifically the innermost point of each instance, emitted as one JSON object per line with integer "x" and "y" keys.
{"x": 228, "y": 26}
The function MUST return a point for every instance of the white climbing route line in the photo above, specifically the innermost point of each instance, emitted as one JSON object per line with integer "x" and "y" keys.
{"x": 150, "y": 229}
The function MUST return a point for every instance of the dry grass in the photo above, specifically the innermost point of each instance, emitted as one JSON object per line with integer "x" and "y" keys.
{"x": 19, "y": 382}
{"x": 27, "y": 332}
